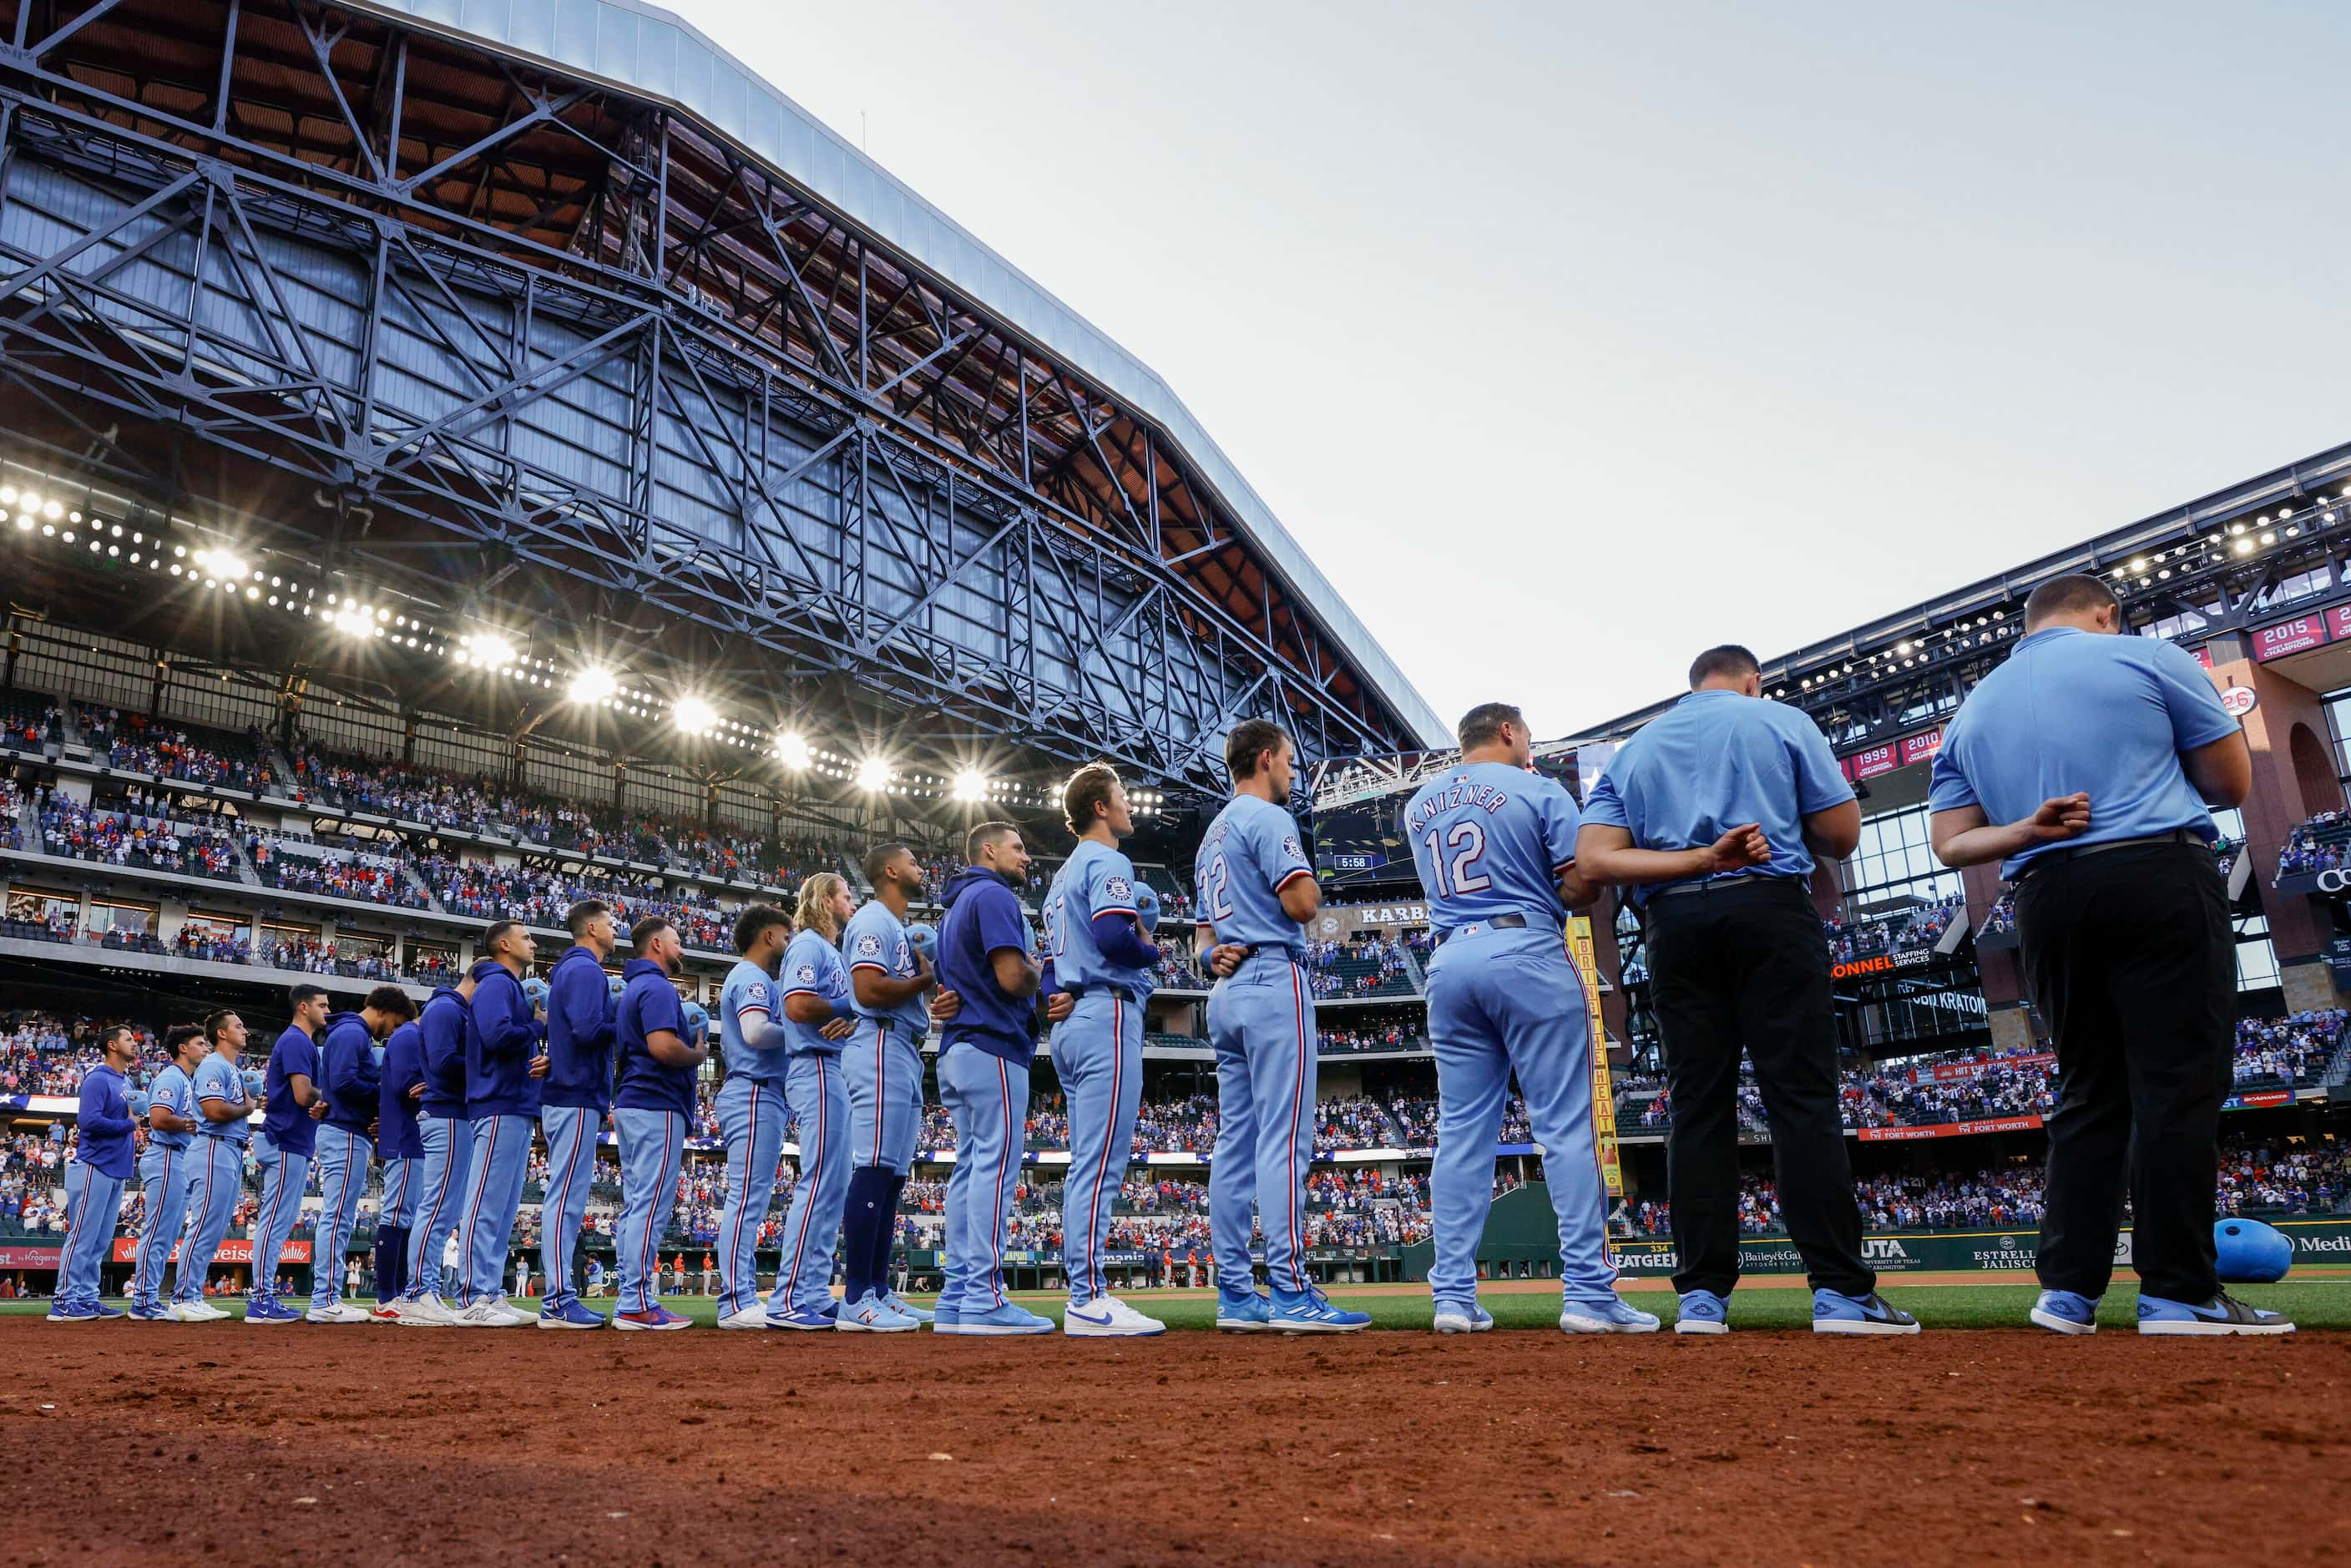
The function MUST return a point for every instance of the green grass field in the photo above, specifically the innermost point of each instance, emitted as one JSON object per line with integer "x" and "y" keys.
{"x": 2319, "y": 1305}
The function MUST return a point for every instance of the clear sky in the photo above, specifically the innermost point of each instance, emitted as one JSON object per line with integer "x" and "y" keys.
{"x": 1572, "y": 338}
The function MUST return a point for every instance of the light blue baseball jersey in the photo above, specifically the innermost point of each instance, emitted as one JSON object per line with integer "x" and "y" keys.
{"x": 1248, "y": 855}
{"x": 876, "y": 939}
{"x": 2076, "y": 710}
{"x": 812, "y": 963}
{"x": 750, "y": 992}
{"x": 1095, "y": 880}
{"x": 174, "y": 1092}
{"x": 217, "y": 1079}
{"x": 1491, "y": 839}
{"x": 1715, "y": 759}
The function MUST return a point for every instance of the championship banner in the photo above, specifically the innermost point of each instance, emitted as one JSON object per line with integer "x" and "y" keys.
{"x": 1604, "y": 1103}
{"x": 233, "y": 1249}
{"x": 1946, "y": 1130}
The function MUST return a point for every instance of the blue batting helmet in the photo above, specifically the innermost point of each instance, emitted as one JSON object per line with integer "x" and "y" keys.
{"x": 1146, "y": 907}
{"x": 697, "y": 1021}
{"x": 2250, "y": 1253}
{"x": 924, "y": 939}
{"x": 536, "y": 991}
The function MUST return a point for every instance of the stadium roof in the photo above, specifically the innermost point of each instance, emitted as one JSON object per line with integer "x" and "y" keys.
{"x": 650, "y": 51}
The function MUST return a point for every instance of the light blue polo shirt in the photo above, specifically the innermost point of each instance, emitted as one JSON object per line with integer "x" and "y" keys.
{"x": 1712, "y": 761}
{"x": 2074, "y": 710}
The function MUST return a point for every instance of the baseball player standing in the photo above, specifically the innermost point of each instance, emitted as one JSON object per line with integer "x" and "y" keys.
{"x": 447, "y": 1139}
{"x": 882, "y": 1062}
{"x": 1494, "y": 844}
{"x": 163, "y": 1170}
{"x": 752, "y": 1105}
{"x": 504, "y": 1035}
{"x": 985, "y": 1052}
{"x": 293, "y": 1106}
{"x": 1256, "y": 893}
{"x": 1094, "y": 941}
{"x": 652, "y": 1103}
{"x": 816, "y": 1022}
{"x": 216, "y": 1178}
{"x": 94, "y": 1180}
{"x": 402, "y": 1154}
{"x": 575, "y": 1095}
{"x": 354, "y": 1085}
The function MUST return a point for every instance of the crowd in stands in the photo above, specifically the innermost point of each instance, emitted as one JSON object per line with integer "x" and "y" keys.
{"x": 138, "y": 743}
{"x": 368, "y": 877}
{"x": 1356, "y": 1122}
{"x": 2314, "y": 845}
{"x": 41, "y": 1053}
{"x": 1358, "y": 967}
{"x": 541, "y": 897}
{"x": 2296, "y": 1049}
{"x": 118, "y": 838}
{"x": 28, "y": 722}
{"x": 1379, "y": 1037}
{"x": 310, "y": 957}
{"x": 1999, "y": 920}
{"x": 1914, "y": 1097}
{"x": 1917, "y": 928}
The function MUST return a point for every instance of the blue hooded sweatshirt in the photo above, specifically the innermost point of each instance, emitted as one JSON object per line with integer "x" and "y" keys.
{"x": 580, "y": 1013}
{"x": 443, "y": 1028}
{"x": 104, "y": 1115}
{"x": 501, "y": 1038}
{"x": 984, "y": 915}
{"x": 395, "y": 1117}
{"x": 354, "y": 1083}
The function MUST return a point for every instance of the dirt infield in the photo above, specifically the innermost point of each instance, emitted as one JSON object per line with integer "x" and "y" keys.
{"x": 391, "y": 1446}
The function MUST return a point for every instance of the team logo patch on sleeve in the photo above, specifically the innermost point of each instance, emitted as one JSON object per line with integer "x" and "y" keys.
{"x": 868, "y": 947}
{"x": 805, "y": 973}
{"x": 1119, "y": 890}
{"x": 755, "y": 995}
{"x": 1290, "y": 847}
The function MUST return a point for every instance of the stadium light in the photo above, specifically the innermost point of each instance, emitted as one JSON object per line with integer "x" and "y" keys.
{"x": 694, "y": 715}
{"x": 2244, "y": 546}
{"x": 970, "y": 785}
{"x": 593, "y": 685}
{"x": 220, "y": 563}
{"x": 487, "y": 648}
{"x": 874, "y": 774}
{"x": 791, "y": 750}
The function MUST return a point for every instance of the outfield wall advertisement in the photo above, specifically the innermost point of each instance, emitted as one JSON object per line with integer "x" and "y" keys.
{"x": 2315, "y": 1240}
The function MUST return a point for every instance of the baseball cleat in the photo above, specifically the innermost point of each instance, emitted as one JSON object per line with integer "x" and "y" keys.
{"x": 491, "y": 1312}
{"x": 62, "y": 1313}
{"x": 1251, "y": 1313}
{"x": 1615, "y": 1317}
{"x": 804, "y": 1318}
{"x": 748, "y": 1318}
{"x": 2066, "y": 1311}
{"x": 424, "y": 1312}
{"x": 147, "y": 1313}
{"x": 385, "y": 1312}
{"x": 263, "y": 1310}
{"x": 869, "y": 1314}
{"x": 339, "y": 1312}
{"x": 1702, "y": 1311}
{"x": 2223, "y": 1314}
{"x": 196, "y": 1313}
{"x": 1869, "y": 1314}
{"x": 572, "y": 1315}
{"x": 1000, "y": 1322}
{"x": 658, "y": 1318}
{"x": 1314, "y": 1313}
{"x": 904, "y": 1307}
{"x": 1107, "y": 1317}
{"x": 1457, "y": 1317}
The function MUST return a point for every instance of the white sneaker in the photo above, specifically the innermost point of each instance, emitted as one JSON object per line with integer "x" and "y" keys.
{"x": 195, "y": 1312}
{"x": 493, "y": 1314}
{"x": 340, "y": 1313}
{"x": 424, "y": 1312}
{"x": 1107, "y": 1317}
{"x": 752, "y": 1318}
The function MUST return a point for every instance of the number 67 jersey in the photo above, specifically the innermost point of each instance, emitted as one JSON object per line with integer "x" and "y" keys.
{"x": 1491, "y": 839}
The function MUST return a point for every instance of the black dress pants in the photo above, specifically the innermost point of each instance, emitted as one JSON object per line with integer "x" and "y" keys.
{"x": 1743, "y": 964}
{"x": 2130, "y": 958}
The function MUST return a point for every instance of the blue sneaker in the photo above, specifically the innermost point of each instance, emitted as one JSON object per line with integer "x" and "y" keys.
{"x": 947, "y": 1315}
{"x": 1702, "y": 1311}
{"x": 997, "y": 1321}
{"x": 805, "y": 1319}
{"x": 62, "y": 1312}
{"x": 1314, "y": 1313}
{"x": 1455, "y": 1317}
{"x": 102, "y": 1311}
{"x": 571, "y": 1315}
{"x": 1872, "y": 1313}
{"x": 658, "y": 1319}
{"x": 1614, "y": 1317}
{"x": 1251, "y": 1313}
{"x": 264, "y": 1310}
{"x": 904, "y": 1307}
{"x": 150, "y": 1314}
{"x": 2066, "y": 1311}
{"x": 2223, "y": 1314}
{"x": 871, "y": 1314}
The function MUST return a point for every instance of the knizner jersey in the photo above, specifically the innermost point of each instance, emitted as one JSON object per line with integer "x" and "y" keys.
{"x": 1095, "y": 880}
{"x": 751, "y": 993}
{"x": 174, "y": 1093}
{"x": 812, "y": 963}
{"x": 216, "y": 1078}
{"x": 874, "y": 939}
{"x": 1248, "y": 855}
{"x": 1489, "y": 839}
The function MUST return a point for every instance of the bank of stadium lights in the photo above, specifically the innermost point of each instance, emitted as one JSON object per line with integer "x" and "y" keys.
{"x": 790, "y": 748}
{"x": 873, "y": 775}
